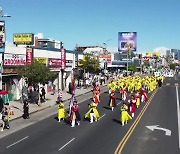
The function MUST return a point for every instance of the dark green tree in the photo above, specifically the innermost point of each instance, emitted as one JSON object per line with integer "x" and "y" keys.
{"x": 36, "y": 73}
{"x": 172, "y": 66}
{"x": 90, "y": 64}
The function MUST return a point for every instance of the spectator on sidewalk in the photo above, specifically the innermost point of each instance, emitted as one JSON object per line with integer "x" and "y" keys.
{"x": 43, "y": 95}
{"x": 26, "y": 109}
{"x": 59, "y": 96}
{"x": 5, "y": 117}
{"x": 54, "y": 89}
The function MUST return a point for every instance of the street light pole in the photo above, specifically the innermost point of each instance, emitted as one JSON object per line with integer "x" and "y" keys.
{"x": 2, "y": 43}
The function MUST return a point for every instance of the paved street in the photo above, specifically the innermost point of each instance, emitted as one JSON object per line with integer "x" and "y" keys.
{"x": 50, "y": 137}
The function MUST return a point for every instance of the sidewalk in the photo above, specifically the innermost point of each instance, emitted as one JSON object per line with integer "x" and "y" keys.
{"x": 50, "y": 101}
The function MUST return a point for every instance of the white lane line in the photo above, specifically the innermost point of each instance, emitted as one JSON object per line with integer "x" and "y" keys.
{"x": 102, "y": 116}
{"x": 118, "y": 103}
{"x": 66, "y": 144}
{"x": 178, "y": 113}
{"x": 17, "y": 142}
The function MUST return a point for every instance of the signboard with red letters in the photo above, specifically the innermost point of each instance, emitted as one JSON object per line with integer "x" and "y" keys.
{"x": 29, "y": 55}
{"x": 53, "y": 62}
{"x": 63, "y": 58}
{"x": 14, "y": 59}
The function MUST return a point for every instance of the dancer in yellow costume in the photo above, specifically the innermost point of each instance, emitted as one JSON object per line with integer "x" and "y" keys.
{"x": 61, "y": 111}
{"x": 125, "y": 117}
{"x": 92, "y": 113}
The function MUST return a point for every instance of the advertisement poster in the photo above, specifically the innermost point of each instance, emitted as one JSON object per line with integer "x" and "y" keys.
{"x": 14, "y": 59}
{"x": 2, "y": 36}
{"x": 127, "y": 38}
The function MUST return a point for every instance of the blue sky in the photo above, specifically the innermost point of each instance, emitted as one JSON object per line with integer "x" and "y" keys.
{"x": 92, "y": 22}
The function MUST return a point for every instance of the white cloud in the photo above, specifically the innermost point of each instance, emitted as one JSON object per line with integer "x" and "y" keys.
{"x": 162, "y": 50}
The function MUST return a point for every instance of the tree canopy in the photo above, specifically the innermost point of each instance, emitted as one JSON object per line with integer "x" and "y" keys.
{"x": 90, "y": 64}
{"x": 36, "y": 72}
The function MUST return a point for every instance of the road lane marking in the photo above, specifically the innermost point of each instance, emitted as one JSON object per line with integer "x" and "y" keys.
{"x": 17, "y": 142}
{"x": 131, "y": 129}
{"x": 167, "y": 84}
{"x": 178, "y": 113}
{"x": 118, "y": 103}
{"x": 102, "y": 116}
{"x": 66, "y": 144}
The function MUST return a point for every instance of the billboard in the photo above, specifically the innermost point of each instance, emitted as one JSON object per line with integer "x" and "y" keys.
{"x": 41, "y": 60}
{"x": 127, "y": 38}
{"x": 2, "y": 36}
{"x": 23, "y": 38}
{"x": 14, "y": 59}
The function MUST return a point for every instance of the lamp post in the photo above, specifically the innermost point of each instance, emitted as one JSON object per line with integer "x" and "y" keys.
{"x": 2, "y": 42}
{"x": 129, "y": 49}
{"x": 105, "y": 53}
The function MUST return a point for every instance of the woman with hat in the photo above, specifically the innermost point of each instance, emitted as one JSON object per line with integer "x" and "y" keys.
{"x": 112, "y": 101}
{"x": 75, "y": 115}
{"x": 61, "y": 111}
{"x": 92, "y": 112}
{"x": 125, "y": 117}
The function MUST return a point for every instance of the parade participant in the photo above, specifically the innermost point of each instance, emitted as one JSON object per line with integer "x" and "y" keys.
{"x": 26, "y": 109}
{"x": 96, "y": 97}
{"x": 124, "y": 114}
{"x": 92, "y": 112}
{"x": 124, "y": 92}
{"x": 137, "y": 97}
{"x": 61, "y": 111}
{"x": 144, "y": 96}
{"x": 112, "y": 101}
{"x": 132, "y": 106}
{"x": 75, "y": 115}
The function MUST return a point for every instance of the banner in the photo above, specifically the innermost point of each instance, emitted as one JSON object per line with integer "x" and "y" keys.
{"x": 29, "y": 55}
{"x": 127, "y": 38}
{"x": 14, "y": 59}
{"x": 63, "y": 58}
{"x": 2, "y": 36}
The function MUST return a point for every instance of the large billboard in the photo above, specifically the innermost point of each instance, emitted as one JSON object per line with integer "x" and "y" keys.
{"x": 2, "y": 36}
{"x": 24, "y": 38}
{"x": 127, "y": 38}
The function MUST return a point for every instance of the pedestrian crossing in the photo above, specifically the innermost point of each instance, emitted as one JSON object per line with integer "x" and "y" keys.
{"x": 173, "y": 84}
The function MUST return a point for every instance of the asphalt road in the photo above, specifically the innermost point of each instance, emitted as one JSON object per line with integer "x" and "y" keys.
{"x": 103, "y": 137}
{"x": 162, "y": 111}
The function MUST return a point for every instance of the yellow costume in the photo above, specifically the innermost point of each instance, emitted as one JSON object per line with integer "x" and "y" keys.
{"x": 61, "y": 111}
{"x": 124, "y": 114}
{"x": 92, "y": 109}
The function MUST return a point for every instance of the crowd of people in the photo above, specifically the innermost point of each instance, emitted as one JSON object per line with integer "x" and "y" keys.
{"x": 133, "y": 90}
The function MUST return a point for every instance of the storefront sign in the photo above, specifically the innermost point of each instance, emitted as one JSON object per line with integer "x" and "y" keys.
{"x": 69, "y": 63}
{"x": 2, "y": 36}
{"x": 14, "y": 59}
{"x": 53, "y": 62}
{"x": 40, "y": 60}
{"x": 29, "y": 55}
{"x": 24, "y": 38}
{"x": 63, "y": 58}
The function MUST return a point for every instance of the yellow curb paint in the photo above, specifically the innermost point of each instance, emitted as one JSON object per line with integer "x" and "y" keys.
{"x": 131, "y": 129}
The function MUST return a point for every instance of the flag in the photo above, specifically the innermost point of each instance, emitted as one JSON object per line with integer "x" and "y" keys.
{"x": 73, "y": 98}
